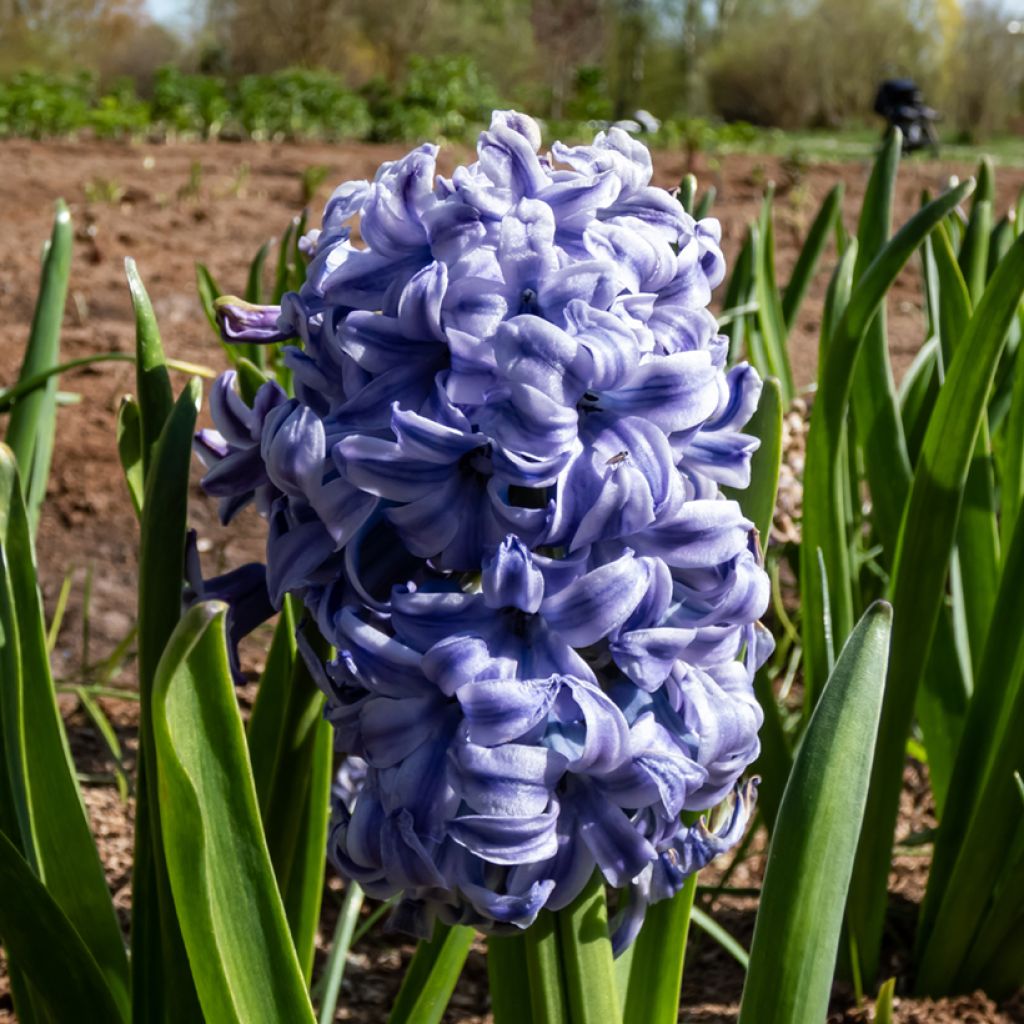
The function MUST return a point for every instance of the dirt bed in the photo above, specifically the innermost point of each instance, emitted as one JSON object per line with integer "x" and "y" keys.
{"x": 171, "y": 206}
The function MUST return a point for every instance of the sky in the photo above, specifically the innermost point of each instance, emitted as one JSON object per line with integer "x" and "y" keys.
{"x": 176, "y": 14}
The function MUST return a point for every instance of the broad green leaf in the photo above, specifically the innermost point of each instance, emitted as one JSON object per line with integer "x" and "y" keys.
{"x": 508, "y": 978}
{"x": 291, "y": 757}
{"x": 998, "y": 689}
{"x": 430, "y": 978}
{"x": 919, "y": 573}
{"x": 129, "y": 450}
{"x": 33, "y": 422}
{"x": 231, "y": 915}
{"x": 40, "y": 939}
{"x": 151, "y": 378}
{"x": 587, "y": 963}
{"x": 656, "y": 973}
{"x": 810, "y": 256}
{"x": 53, "y": 825}
{"x": 796, "y": 935}
{"x": 825, "y": 495}
{"x": 162, "y": 987}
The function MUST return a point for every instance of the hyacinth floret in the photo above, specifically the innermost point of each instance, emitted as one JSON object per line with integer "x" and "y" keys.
{"x": 497, "y": 492}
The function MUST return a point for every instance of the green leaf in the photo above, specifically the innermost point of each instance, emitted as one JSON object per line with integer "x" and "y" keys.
{"x": 769, "y": 304}
{"x": 209, "y": 292}
{"x": 40, "y": 939}
{"x": 687, "y": 192}
{"x": 587, "y": 963}
{"x": 231, "y": 915}
{"x": 918, "y": 583}
{"x": 254, "y": 283}
{"x": 758, "y": 499}
{"x": 656, "y": 974}
{"x": 8, "y": 396}
{"x": 707, "y": 200}
{"x": 988, "y": 721}
{"x": 256, "y": 353}
{"x": 876, "y": 413}
{"x": 151, "y": 378}
{"x": 284, "y": 252}
{"x": 291, "y": 759}
{"x": 430, "y": 978}
{"x": 33, "y": 422}
{"x": 162, "y": 987}
{"x": 270, "y": 708}
{"x": 918, "y": 391}
{"x": 974, "y": 248}
{"x": 707, "y": 924}
{"x": 1011, "y": 455}
{"x": 825, "y": 495}
{"x": 738, "y": 293}
{"x": 810, "y": 256}
{"x": 250, "y": 379}
{"x": 129, "y": 450}
{"x": 40, "y": 774}
{"x": 796, "y": 935}
{"x": 775, "y": 762}
{"x": 883, "y": 1004}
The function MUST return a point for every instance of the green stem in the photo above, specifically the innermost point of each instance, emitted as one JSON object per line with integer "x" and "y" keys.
{"x": 587, "y": 957}
{"x": 657, "y": 974}
{"x": 509, "y": 979}
{"x": 544, "y": 969}
{"x": 341, "y": 944}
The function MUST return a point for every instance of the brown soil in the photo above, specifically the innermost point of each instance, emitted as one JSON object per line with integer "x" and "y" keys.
{"x": 171, "y": 206}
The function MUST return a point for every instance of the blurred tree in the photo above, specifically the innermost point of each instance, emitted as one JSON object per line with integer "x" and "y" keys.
{"x": 567, "y": 34}
{"x": 631, "y": 35}
{"x": 78, "y": 32}
{"x": 985, "y": 88}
